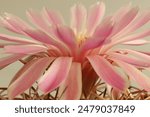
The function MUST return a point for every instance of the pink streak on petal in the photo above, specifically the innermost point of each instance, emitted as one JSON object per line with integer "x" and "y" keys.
{"x": 135, "y": 74}
{"x": 131, "y": 60}
{"x": 147, "y": 53}
{"x": 126, "y": 39}
{"x": 27, "y": 65}
{"x": 27, "y": 76}
{"x": 54, "y": 18}
{"x": 138, "y": 22}
{"x": 66, "y": 35}
{"x": 121, "y": 12}
{"x": 125, "y": 20}
{"x": 101, "y": 33}
{"x": 136, "y": 42}
{"x": 38, "y": 35}
{"x": 137, "y": 54}
{"x": 38, "y": 20}
{"x": 72, "y": 86}
{"x": 56, "y": 74}
{"x": 9, "y": 59}
{"x": 78, "y": 17}
{"x": 104, "y": 29}
{"x": 6, "y": 25}
{"x": 133, "y": 37}
{"x": 16, "y": 23}
{"x": 17, "y": 39}
{"x": 47, "y": 39}
{"x": 95, "y": 16}
{"x": 25, "y": 49}
{"x": 105, "y": 71}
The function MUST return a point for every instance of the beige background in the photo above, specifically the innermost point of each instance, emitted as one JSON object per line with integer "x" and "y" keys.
{"x": 18, "y": 7}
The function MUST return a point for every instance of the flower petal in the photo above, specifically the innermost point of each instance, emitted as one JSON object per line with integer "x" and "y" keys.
{"x": 38, "y": 20}
{"x": 105, "y": 71}
{"x": 138, "y": 22}
{"x": 17, "y": 39}
{"x": 54, "y": 18}
{"x": 72, "y": 87}
{"x": 6, "y": 25}
{"x": 101, "y": 33}
{"x": 45, "y": 38}
{"x": 25, "y": 49}
{"x": 27, "y": 76}
{"x": 124, "y": 20}
{"x": 131, "y": 60}
{"x": 132, "y": 37}
{"x": 95, "y": 16}
{"x": 104, "y": 29}
{"x": 135, "y": 74}
{"x": 38, "y": 35}
{"x": 56, "y": 74}
{"x": 9, "y": 59}
{"x": 14, "y": 23}
{"x": 78, "y": 17}
{"x": 136, "y": 42}
{"x": 65, "y": 34}
{"x": 137, "y": 54}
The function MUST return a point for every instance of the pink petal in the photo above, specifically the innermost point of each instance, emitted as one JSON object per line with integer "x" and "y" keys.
{"x": 95, "y": 16}
{"x": 99, "y": 36}
{"x": 136, "y": 42}
{"x": 14, "y": 23}
{"x": 25, "y": 49}
{"x": 106, "y": 71}
{"x": 147, "y": 53}
{"x": 124, "y": 20}
{"x": 131, "y": 60}
{"x": 8, "y": 26}
{"x": 27, "y": 76}
{"x": 9, "y": 59}
{"x": 78, "y": 17}
{"x": 126, "y": 39}
{"x": 54, "y": 18}
{"x": 138, "y": 22}
{"x": 38, "y": 20}
{"x": 66, "y": 35}
{"x": 2, "y": 45}
{"x": 121, "y": 12}
{"x": 135, "y": 74}
{"x": 104, "y": 29}
{"x": 45, "y": 38}
{"x": 137, "y": 54}
{"x": 38, "y": 35}
{"x": 17, "y": 39}
{"x": 56, "y": 74}
{"x": 72, "y": 86}
{"x": 133, "y": 37}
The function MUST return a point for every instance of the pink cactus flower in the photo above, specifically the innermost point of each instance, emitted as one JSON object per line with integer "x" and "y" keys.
{"x": 76, "y": 56}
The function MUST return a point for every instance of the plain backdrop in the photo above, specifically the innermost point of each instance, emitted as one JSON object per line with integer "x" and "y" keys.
{"x": 19, "y": 7}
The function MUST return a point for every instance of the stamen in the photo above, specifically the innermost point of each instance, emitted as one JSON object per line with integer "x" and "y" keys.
{"x": 81, "y": 37}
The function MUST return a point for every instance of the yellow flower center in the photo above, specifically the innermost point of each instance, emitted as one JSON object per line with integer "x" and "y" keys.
{"x": 81, "y": 37}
